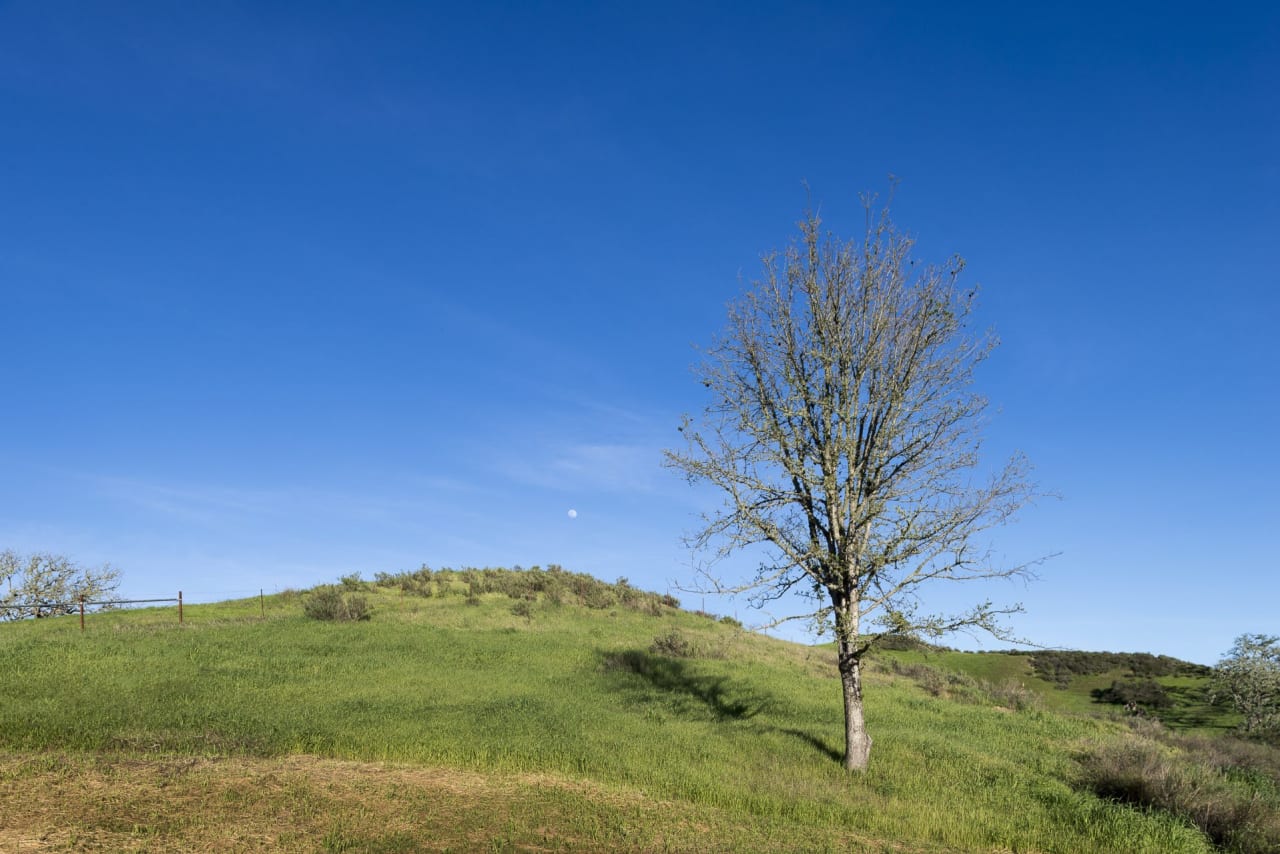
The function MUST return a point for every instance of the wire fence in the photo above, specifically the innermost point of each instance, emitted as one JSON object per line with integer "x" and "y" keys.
{"x": 57, "y": 609}
{"x": 45, "y": 608}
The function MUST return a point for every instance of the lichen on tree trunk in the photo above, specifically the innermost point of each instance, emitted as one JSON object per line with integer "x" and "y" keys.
{"x": 857, "y": 751}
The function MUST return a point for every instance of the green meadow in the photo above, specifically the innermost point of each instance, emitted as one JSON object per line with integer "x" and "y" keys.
{"x": 478, "y": 712}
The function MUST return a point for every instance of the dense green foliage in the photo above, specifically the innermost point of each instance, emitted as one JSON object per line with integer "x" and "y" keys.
{"x": 1249, "y": 678}
{"x": 1140, "y": 693}
{"x": 595, "y": 682}
{"x": 1059, "y": 666}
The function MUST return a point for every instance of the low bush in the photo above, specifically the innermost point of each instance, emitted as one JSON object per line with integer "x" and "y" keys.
{"x": 328, "y": 602}
{"x": 417, "y": 583}
{"x": 1233, "y": 813}
{"x": 352, "y": 582}
{"x": 673, "y": 643}
{"x": 1010, "y": 694}
{"x": 901, "y": 642}
{"x": 553, "y": 585}
{"x": 1147, "y": 693}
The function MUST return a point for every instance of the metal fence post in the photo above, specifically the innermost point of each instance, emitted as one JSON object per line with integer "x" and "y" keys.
{"x": 179, "y": 607}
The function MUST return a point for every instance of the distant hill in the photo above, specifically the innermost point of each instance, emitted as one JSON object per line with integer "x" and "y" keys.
{"x": 547, "y": 710}
{"x": 1159, "y": 686}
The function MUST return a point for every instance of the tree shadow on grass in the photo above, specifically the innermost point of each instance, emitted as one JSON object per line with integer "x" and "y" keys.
{"x": 675, "y": 676}
{"x": 716, "y": 693}
{"x": 816, "y": 743}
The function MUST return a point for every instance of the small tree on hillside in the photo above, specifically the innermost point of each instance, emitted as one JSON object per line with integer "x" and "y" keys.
{"x": 845, "y": 436}
{"x": 45, "y": 585}
{"x": 1249, "y": 678}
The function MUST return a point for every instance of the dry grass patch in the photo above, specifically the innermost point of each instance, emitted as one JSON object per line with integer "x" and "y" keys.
{"x": 1223, "y": 787}
{"x": 126, "y": 803}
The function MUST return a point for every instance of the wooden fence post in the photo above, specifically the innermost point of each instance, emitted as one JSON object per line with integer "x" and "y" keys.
{"x": 179, "y": 607}
{"x": 82, "y": 615}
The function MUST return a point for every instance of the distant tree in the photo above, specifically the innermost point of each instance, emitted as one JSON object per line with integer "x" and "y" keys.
{"x": 844, "y": 435}
{"x": 1249, "y": 678}
{"x": 1145, "y": 693}
{"x": 45, "y": 585}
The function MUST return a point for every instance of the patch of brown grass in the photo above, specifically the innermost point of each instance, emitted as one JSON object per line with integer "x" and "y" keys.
{"x": 132, "y": 803}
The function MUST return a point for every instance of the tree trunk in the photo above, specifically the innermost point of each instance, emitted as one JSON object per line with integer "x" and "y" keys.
{"x": 857, "y": 744}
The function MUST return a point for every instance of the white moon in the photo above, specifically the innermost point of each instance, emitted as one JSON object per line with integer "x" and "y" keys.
{"x": 573, "y": 514}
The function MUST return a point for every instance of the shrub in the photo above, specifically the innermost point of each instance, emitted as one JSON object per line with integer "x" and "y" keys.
{"x": 1138, "y": 771}
{"x": 673, "y": 643}
{"x": 1142, "y": 692}
{"x": 594, "y": 594}
{"x": 327, "y": 602}
{"x": 554, "y": 585}
{"x": 628, "y": 596}
{"x": 416, "y": 583}
{"x": 901, "y": 642}
{"x": 523, "y": 608}
{"x": 1228, "y": 787}
{"x": 1012, "y": 694}
{"x": 929, "y": 678}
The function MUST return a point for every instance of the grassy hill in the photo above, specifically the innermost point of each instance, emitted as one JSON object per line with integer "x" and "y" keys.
{"x": 1080, "y": 682}
{"x": 534, "y": 711}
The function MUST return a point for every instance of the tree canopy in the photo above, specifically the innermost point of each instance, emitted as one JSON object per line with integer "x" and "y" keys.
{"x": 45, "y": 585}
{"x": 1249, "y": 678}
{"x": 844, "y": 435}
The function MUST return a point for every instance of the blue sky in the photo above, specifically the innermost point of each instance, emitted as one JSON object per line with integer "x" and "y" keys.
{"x": 291, "y": 291}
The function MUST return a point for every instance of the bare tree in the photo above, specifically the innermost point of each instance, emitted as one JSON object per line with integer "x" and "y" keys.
{"x": 45, "y": 585}
{"x": 844, "y": 434}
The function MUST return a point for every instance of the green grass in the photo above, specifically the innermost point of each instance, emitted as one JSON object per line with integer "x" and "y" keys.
{"x": 1191, "y": 710}
{"x": 733, "y": 750}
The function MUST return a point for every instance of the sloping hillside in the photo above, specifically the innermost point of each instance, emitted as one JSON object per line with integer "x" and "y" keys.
{"x": 477, "y": 711}
{"x": 1171, "y": 691}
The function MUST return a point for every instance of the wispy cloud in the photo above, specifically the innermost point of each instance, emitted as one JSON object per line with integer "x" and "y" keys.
{"x": 211, "y": 505}
{"x": 586, "y": 466}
